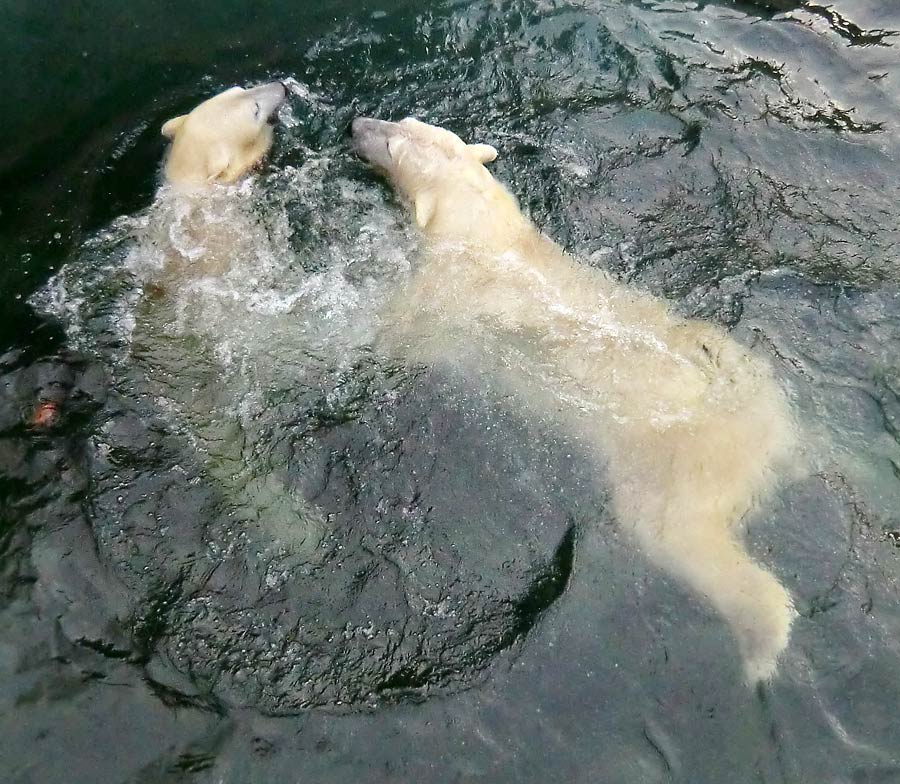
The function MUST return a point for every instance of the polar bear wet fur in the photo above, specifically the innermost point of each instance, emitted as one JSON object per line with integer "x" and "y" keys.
{"x": 205, "y": 227}
{"x": 224, "y": 137}
{"x": 202, "y": 233}
{"x": 693, "y": 428}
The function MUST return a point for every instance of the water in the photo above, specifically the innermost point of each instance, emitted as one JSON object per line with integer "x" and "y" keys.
{"x": 458, "y": 602}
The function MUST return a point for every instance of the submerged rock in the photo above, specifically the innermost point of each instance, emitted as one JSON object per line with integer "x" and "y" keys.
{"x": 450, "y": 529}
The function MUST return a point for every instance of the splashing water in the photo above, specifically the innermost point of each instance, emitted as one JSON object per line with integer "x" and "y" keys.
{"x": 736, "y": 158}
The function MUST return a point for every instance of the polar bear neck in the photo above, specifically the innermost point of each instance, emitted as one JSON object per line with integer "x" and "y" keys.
{"x": 183, "y": 171}
{"x": 477, "y": 214}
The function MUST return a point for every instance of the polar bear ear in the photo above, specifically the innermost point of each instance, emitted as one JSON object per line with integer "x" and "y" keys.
{"x": 483, "y": 153}
{"x": 426, "y": 202}
{"x": 170, "y": 128}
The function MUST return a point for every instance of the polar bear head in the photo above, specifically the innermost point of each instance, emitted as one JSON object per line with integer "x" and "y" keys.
{"x": 223, "y": 137}
{"x": 431, "y": 167}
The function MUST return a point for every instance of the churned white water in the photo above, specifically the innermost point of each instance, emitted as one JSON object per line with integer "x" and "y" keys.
{"x": 225, "y": 302}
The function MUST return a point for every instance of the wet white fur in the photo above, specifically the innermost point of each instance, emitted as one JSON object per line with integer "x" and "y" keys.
{"x": 692, "y": 426}
{"x": 222, "y": 138}
{"x": 199, "y": 232}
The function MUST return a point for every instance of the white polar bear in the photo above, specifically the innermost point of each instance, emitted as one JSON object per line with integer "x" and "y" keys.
{"x": 693, "y": 427}
{"x": 200, "y": 221}
{"x": 224, "y": 137}
{"x": 200, "y": 236}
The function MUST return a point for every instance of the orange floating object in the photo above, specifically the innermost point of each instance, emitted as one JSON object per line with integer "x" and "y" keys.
{"x": 45, "y": 414}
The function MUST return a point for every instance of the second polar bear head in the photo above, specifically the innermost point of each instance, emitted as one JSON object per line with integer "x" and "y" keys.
{"x": 429, "y": 166}
{"x": 223, "y": 137}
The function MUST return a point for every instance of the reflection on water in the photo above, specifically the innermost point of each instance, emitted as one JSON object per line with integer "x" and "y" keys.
{"x": 736, "y": 158}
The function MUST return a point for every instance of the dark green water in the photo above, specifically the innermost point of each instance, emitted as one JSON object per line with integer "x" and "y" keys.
{"x": 474, "y": 613}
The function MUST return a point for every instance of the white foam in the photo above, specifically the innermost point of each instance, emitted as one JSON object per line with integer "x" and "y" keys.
{"x": 263, "y": 281}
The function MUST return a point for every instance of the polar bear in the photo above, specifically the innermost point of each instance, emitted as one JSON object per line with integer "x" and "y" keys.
{"x": 224, "y": 137}
{"x": 692, "y": 427}
{"x": 198, "y": 244}
{"x": 200, "y": 215}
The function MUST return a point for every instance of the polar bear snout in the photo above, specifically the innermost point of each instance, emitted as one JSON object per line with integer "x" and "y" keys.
{"x": 370, "y": 140}
{"x": 269, "y": 97}
{"x": 363, "y": 127}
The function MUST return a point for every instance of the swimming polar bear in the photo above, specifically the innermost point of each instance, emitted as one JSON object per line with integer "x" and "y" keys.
{"x": 198, "y": 238}
{"x": 224, "y": 137}
{"x": 692, "y": 427}
{"x": 212, "y": 147}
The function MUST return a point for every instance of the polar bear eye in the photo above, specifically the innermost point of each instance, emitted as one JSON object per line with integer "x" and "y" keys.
{"x": 256, "y": 110}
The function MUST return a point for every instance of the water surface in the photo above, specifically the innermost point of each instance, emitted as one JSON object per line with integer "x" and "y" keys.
{"x": 457, "y": 602}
